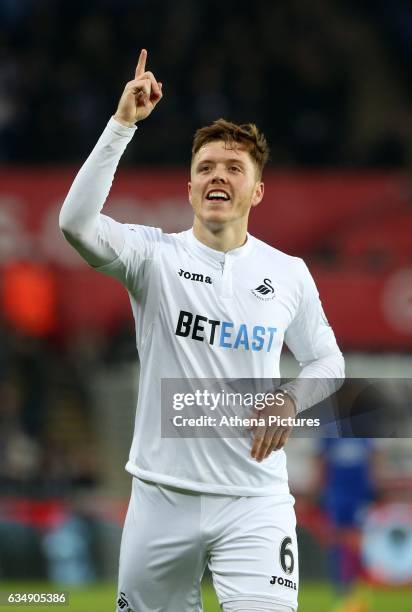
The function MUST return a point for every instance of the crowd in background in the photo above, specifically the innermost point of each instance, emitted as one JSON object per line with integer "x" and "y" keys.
{"x": 47, "y": 443}
{"x": 327, "y": 80}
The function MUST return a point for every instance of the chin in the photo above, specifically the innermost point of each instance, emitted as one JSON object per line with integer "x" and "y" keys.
{"x": 216, "y": 217}
{"x": 217, "y": 213}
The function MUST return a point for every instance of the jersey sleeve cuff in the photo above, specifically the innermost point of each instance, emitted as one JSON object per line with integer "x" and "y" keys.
{"x": 119, "y": 129}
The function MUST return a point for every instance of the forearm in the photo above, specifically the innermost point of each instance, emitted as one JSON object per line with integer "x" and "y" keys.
{"x": 92, "y": 234}
{"x": 317, "y": 380}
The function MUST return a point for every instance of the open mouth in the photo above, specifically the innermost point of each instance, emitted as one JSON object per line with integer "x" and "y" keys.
{"x": 217, "y": 195}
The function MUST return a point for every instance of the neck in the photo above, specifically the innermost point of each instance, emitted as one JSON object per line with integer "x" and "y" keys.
{"x": 220, "y": 238}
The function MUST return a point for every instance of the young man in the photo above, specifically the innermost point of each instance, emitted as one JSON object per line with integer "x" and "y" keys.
{"x": 221, "y": 501}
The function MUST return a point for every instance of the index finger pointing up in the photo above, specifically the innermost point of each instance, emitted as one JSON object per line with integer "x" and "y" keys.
{"x": 141, "y": 64}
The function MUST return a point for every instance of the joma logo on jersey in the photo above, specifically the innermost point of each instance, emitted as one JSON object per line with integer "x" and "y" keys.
{"x": 286, "y": 582}
{"x": 200, "y": 278}
{"x": 264, "y": 291}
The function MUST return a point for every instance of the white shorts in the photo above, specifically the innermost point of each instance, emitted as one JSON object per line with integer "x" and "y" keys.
{"x": 171, "y": 534}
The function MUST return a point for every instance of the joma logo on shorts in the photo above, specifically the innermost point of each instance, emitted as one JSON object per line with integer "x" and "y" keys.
{"x": 200, "y": 278}
{"x": 289, "y": 584}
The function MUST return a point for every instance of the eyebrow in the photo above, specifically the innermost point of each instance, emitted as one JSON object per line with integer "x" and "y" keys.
{"x": 234, "y": 160}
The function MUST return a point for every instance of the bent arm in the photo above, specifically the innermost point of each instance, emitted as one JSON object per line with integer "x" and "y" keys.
{"x": 317, "y": 380}
{"x": 313, "y": 343}
{"x": 97, "y": 238}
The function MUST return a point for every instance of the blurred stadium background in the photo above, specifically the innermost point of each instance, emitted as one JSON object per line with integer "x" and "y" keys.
{"x": 329, "y": 83}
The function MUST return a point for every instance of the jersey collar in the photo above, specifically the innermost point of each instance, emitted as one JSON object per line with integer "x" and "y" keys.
{"x": 202, "y": 249}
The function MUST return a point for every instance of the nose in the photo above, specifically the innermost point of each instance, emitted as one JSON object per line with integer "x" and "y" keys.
{"x": 218, "y": 177}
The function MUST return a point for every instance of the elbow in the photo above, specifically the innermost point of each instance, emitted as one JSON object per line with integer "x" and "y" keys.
{"x": 72, "y": 237}
{"x": 336, "y": 363}
{"x": 79, "y": 234}
{"x": 341, "y": 366}
{"x": 69, "y": 236}
{"x": 68, "y": 227}
{"x": 64, "y": 223}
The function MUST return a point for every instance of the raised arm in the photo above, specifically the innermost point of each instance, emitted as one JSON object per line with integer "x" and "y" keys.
{"x": 98, "y": 238}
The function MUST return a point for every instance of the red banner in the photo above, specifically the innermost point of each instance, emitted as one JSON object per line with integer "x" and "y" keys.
{"x": 357, "y": 225}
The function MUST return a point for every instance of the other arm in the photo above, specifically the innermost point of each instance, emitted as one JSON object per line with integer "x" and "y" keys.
{"x": 313, "y": 343}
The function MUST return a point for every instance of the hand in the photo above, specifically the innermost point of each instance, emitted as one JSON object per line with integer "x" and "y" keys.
{"x": 140, "y": 96}
{"x": 271, "y": 437}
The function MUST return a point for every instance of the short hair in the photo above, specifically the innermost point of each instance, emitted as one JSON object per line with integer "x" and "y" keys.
{"x": 246, "y": 135}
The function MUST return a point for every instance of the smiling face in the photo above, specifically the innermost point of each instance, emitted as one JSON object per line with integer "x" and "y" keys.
{"x": 224, "y": 185}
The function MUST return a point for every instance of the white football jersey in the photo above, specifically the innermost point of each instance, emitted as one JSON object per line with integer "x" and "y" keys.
{"x": 199, "y": 313}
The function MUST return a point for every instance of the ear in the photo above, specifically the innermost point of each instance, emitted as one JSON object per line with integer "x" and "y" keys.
{"x": 258, "y": 193}
{"x": 189, "y": 191}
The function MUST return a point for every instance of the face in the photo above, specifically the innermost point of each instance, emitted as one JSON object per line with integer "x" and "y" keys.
{"x": 224, "y": 184}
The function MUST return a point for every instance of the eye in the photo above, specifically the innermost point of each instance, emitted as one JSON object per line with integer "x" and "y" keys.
{"x": 235, "y": 168}
{"x": 204, "y": 168}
